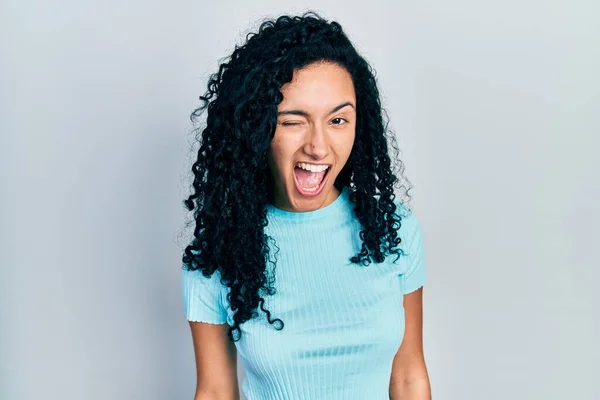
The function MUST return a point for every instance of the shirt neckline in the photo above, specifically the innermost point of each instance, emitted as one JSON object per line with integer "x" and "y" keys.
{"x": 339, "y": 204}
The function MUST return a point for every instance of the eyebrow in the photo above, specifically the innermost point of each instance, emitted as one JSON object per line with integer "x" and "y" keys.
{"x": 306, "y": 114}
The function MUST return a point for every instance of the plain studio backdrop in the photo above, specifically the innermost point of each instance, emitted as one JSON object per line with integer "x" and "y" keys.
{"x": 496, "y": 108}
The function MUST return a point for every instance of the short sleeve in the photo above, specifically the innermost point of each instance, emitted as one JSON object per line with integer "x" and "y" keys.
{"x": 414, "y": 272}
{"x": 202, "y": 297}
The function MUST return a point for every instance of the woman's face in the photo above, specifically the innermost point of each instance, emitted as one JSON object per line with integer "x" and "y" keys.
{"x": 316, "y": 127}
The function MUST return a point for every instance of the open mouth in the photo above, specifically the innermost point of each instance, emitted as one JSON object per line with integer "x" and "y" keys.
{"x": 310, "y": 178}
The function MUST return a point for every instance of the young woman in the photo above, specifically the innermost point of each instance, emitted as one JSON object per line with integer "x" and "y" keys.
{"x": 303, "y": 262}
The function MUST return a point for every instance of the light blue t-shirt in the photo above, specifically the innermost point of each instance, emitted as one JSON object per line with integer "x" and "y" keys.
{"x": 343, "y": 322}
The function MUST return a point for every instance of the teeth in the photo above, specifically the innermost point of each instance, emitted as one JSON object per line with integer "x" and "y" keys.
{"x": 312, "y": 168}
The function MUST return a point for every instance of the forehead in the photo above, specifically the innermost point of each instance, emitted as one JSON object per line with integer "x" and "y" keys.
{"x": 318, "y": 86}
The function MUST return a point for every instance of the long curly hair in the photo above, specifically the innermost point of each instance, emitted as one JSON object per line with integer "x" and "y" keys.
{"x": 232, "y": 184}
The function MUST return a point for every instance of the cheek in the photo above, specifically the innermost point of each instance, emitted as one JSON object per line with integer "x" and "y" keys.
{"x": 276, "y": 155}
{"x": 284, "y": 149}
{"x": 275, "y": 150}
{"x": 344, "y": 145}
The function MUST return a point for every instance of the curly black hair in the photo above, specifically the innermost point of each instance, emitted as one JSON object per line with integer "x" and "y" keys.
{"x": 232, "y": 184}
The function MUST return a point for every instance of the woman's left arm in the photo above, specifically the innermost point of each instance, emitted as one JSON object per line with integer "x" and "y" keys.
{"x": 410, "y": 380}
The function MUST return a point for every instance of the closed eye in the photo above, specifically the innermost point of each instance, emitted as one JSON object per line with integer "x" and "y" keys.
{"x": 340, "y": 121}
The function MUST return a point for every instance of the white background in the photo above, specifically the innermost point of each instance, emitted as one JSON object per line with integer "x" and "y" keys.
{"x": 496, "y": 107}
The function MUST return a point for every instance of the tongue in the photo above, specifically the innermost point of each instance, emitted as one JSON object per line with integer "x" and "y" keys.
{"x": 307, "y": 179}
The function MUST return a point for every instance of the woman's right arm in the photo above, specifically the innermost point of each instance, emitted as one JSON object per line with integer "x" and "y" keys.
{"x": 216, "y": 362}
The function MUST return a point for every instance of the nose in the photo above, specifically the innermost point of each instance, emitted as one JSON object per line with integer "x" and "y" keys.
{"x": 317, "y": 145}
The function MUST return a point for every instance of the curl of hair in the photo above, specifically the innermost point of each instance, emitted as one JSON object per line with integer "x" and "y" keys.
{"x": 232, "y": 184}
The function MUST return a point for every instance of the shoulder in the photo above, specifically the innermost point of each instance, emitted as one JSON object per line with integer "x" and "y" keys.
{"x": 410, "y": 231}
{"x": 203, "y": 297}
{"x": 413, "y": 272}
{"x": 197, "y": 277}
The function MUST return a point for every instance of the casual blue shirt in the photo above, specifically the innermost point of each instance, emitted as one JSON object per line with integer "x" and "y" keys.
{"x": 343, "y": 322}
